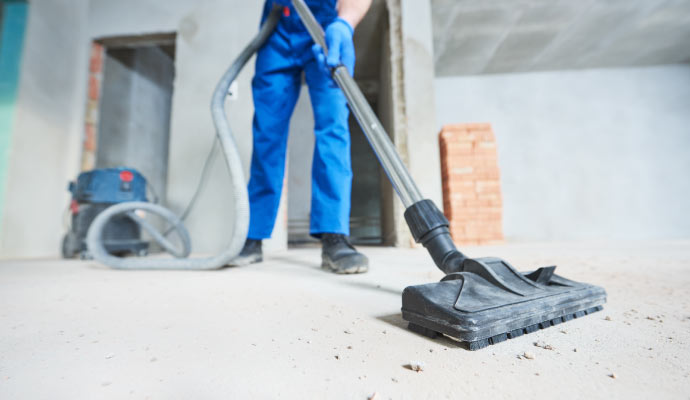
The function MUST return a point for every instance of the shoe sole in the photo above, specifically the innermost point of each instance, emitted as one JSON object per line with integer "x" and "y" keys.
{"x": 246, "y": 260}
{"x": 328, "y": 265}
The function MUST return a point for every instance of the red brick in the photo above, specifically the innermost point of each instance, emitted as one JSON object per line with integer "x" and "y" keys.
{"x": 484, "y": 152}
{"x": 487, "y": 186}
{"x": 460, "y": 196}
{"x": 457, "y": 185}
{"x": 478, "y": 126}
{"x": 485, "y": 136}
{"x": 454, "y": 128}
{"x": 96, "y": 61}
{"x": 89, "y": 137}
{"x": 452, "y": 149}
{"x": 94, "y": 88}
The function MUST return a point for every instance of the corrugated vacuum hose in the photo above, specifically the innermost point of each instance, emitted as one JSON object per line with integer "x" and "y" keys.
{"x": 238, "y": 188}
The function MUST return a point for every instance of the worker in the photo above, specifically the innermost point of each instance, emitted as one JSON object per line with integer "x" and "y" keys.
{"x": 276, "y": 86}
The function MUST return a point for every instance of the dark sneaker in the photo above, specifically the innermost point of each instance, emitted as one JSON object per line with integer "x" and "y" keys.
{"x": 250, "y": 254}
{"x": 340, "y": 257}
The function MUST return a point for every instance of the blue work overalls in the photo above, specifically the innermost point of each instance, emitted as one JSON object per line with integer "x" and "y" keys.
{"x": 276, "y": 88}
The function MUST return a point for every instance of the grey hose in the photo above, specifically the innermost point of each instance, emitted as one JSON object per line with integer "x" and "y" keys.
{"x": 239, "y": 189}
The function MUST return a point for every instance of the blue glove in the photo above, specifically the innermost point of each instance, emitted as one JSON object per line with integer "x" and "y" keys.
{"x": 341, "y": 48}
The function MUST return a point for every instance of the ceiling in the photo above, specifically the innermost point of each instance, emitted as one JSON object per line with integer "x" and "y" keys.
{"x": 502, "y": 36}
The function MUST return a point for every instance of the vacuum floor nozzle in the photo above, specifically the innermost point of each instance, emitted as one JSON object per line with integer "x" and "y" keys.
{"x": 490, "y": 302}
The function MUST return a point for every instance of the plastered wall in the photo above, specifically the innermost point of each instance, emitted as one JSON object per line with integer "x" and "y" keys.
{"x": 591, "y": 154}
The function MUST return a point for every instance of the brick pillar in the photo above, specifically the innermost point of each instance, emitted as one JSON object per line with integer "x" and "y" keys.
{"x": 88, "y": 158}
{"x": 471, "y": 183}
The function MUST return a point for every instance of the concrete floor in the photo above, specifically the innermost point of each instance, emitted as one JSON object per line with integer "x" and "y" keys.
{"x": 285, "y": 329}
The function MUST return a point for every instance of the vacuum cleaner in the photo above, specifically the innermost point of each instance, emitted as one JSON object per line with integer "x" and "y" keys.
{"x": 480, "y": 301}
{"x": 92, "y": 193}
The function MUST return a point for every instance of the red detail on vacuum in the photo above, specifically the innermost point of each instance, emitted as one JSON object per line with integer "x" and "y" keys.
{"x": 126, "y": 176}
{"x": 74, "y": 207}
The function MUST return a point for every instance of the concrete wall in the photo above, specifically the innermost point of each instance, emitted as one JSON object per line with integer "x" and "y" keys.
{"x": 585, "y": 154}
{"x": 47, "y": 128}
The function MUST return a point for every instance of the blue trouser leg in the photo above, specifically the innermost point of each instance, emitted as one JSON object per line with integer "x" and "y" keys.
{"x": 275, "y": 88}
{"x": 332, "y": 167}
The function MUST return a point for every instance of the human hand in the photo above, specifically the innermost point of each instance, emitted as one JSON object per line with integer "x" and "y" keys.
{"x": 341, "y": 47}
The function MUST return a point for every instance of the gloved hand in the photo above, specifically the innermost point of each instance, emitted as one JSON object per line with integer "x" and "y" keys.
{"x": 341, "y": 48}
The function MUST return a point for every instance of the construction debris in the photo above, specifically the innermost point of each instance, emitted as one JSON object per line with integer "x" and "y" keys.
{"x": 543, "y": 345}
{"x": 416, "y": 366}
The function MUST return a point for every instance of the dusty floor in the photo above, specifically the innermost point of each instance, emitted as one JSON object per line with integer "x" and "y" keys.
{"x": 285, "y": 329}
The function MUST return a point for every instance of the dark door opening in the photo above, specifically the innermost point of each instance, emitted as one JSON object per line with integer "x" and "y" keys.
{"x": 365, "y": 215}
